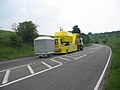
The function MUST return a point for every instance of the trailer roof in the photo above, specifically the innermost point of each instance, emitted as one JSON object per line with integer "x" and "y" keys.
{"x": 44, "y": 37}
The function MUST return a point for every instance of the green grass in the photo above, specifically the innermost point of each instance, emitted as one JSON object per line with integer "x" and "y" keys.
{"x": 13, "y": 53}
{"x": 9, "y": 53}
{"x": 113, "y": 81}
{"x": 4, "y": 37}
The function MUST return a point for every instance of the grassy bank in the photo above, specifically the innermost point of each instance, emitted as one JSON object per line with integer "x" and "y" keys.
{"x": 8, "y": 53}
{"x": 13, "y": 53}
{"x": 113, "y": 81}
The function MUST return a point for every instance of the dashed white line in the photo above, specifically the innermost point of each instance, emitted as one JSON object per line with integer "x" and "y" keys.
{"x": 30, "y": 69}
{"x": 80, "y": 57}
{"x": 46, "y": 64}
{"x": 6, "y": 77}
{"x": 92, "y": 52}
{"x": 64, "y": 59}
{"x": 69, "y": 56}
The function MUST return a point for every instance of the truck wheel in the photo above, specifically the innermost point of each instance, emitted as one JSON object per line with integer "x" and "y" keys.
{"x": 66, "y": 51}
{"x": 81, "y": 48}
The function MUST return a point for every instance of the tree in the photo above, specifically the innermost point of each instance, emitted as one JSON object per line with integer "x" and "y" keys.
{"x": 27, "y": 30}
{"x": 90, "y": 33}
{"x": 14, "y": 26}
{"x": 76, "y": 30}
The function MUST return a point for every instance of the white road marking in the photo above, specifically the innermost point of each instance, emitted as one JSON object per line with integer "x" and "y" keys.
{"x": 17, "y": 67}
{"x": 102, "y": 75}
{"x": 56, "y": 61}
{"x": 64, "y": 59}
{"x": 69, "y": 56}
{"x": 46, "y": 64}
{"x": 93, "y": 48}
{"x": 30, "y": 69}
{"x": 33, "y": 74}
{"x": 80, "y": 57}
{"x": 6, "y": 77}
{"x": 92, "y": 52}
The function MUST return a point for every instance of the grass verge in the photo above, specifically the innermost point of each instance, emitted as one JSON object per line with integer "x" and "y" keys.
{"x": 113, "y": 81}
{"x": 13, "y": 53}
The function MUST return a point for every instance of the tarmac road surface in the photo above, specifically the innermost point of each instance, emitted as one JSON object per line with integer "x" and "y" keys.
{"x": 81, "y": 70}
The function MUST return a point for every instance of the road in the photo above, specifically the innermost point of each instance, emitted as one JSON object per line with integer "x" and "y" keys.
{"x": 82, "y": 70}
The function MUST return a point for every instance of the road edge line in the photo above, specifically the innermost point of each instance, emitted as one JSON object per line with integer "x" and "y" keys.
{"x": 102, "y": 75}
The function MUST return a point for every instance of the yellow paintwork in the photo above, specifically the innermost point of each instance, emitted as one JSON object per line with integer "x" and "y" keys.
{"x": 66, "y": 37}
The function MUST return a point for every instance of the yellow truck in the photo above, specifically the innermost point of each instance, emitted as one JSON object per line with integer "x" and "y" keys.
{"x": 67, "y": 42}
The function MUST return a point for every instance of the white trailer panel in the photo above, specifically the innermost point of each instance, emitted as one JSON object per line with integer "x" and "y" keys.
{"x": 43, "y": 46}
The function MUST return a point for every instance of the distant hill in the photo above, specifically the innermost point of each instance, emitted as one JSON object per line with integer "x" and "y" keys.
{"x": 107, "y": 37}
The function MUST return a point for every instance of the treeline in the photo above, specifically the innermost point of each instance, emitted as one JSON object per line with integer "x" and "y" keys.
{"x": 106, "y": 37}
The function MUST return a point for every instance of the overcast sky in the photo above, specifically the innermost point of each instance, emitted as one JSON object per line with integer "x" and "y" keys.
{"x": 90, "y": 15}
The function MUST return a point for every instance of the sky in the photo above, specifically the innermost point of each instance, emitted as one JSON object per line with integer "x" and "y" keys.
{"x": 90, "y": 15}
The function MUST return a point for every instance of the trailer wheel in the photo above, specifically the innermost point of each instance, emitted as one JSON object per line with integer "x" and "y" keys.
{"x": 40, "y": 56}
{"x": 49, "y": 55}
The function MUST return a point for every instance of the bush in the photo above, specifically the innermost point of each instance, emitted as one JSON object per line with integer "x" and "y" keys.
{"x": 15, "y": 41}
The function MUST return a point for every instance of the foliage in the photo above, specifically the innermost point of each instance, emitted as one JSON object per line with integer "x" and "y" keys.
{"x": 15, "y": 41}
{"x": 8, "y": 52}
{"x": 76, "y": 29}
{"x": 4, "y": 38}
{"x": 14, "y": 26}
{"x": 27, "y": 30}
{"x": 105, "y": 41}
{"x": 96, "y": 41}
{"x": 86, "y": 39}
{"x": 105, "y": 37}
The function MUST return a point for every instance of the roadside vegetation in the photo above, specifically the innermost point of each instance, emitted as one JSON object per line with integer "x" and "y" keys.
{"x": 12, "y": 46}
{"x": 111, "y": 39}
{"x": 19, "y": 43}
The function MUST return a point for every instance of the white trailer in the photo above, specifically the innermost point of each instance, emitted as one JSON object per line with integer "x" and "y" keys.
{"x": 44, "y": 46}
